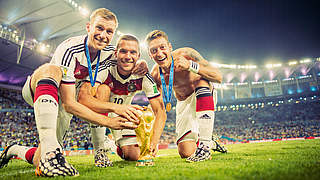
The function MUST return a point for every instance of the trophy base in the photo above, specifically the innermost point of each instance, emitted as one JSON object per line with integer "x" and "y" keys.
{"x": 145, "y": 162}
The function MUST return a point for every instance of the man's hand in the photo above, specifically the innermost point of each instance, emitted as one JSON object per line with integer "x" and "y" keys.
{"x": 141, "y": 68}
{"x": 130, "y": 112}
{"x": 119, "y": 122}
{"x": 181, "y": 63}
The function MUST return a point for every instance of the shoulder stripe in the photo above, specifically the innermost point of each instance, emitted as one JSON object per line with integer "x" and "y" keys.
{"x": 107, "y": 64}
{"x": 108, "y": 58}
{"x": 71, "y": 55}
{"x": 109, "y": 48}
{"x": 150, "y": 78}
{"x": 70, "y": 50}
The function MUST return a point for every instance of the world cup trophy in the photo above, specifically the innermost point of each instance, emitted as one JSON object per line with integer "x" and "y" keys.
{"x": 144, "y": 134}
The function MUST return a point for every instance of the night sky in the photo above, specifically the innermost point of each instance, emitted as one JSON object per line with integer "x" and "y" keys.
{"x": 227, "y": 31}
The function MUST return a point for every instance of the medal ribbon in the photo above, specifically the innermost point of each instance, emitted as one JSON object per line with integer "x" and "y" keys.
{"x": 167, "y": 96}
{"x": 92, "y": 79}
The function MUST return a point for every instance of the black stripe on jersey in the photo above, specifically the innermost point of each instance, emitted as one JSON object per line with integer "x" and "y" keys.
{"x": 67, "y": 52}
{"x": 74, "y": 52}
{"x": 108, "y": 58}
{"x": 107, "y": 64}
{"x": 150, "y": 78}
{"x": 109, "y": 48}
{"x": 68, "y": 82}
{"x": 154, "y": 96}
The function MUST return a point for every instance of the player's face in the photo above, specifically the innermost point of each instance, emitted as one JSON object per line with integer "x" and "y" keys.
{"x": 160, "y": 51}
{"x": 100, "y": 32}
{"x": 127, "y": 55}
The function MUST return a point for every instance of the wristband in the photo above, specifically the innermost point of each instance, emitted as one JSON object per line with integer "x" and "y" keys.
{"x": 194, "y": 67}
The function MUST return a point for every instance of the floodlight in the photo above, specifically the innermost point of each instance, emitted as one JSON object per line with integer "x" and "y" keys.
{"x": 292, "y": 63}
{"x": 84, "y": 11}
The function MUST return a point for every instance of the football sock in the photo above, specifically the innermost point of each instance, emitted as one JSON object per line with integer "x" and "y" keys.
{"x": 98, "y": 136}
{"x": 205, "y": 114}
{"x": 23, "y": 152}
{"x": 46, "y": 112}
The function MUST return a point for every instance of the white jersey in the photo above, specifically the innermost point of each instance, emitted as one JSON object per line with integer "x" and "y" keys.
{"x": 123, "y": 90}
{"x": 70, "y": 55}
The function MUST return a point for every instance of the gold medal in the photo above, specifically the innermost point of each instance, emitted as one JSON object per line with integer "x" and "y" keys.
{"x": 168, "y": 107}
{"x": 93, "y": 90}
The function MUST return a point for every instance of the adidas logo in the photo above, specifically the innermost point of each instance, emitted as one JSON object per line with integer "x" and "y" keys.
{"x": 205, "y": 116}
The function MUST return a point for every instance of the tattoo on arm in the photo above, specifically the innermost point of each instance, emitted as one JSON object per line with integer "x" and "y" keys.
{"x": 195, "y": 55}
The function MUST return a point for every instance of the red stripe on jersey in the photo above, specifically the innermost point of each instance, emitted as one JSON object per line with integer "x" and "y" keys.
{"x": 46, "y": 89}
{"x": 204, "y": 103}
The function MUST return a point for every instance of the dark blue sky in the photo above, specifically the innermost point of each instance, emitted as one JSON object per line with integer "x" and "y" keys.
{"x": 232, "y": 31}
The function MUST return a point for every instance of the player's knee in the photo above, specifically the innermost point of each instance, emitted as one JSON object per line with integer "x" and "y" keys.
{"x": 186, "y": 148}
{"x": 132, "y": 156}
{"x": 48, "y": 71}
{"x": 131, "y": 152}
{"x": 185, "y": 153}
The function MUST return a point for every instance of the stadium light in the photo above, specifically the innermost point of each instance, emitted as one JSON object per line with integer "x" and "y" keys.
{"x": 43, "y": 48}
{"x": 269, "y": 65}
{"x": 143, "y": 46}
{"x": 305, "y": 61}
{"x": 84, "y": 11}
{"x": 293, "y": 63}
{"x": 119, "y": 33}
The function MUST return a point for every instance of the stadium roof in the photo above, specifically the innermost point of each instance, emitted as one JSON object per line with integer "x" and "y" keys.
{"x": 45, "y": 22}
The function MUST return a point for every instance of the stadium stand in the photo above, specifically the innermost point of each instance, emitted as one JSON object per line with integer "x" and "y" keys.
{"x": 258, "y": 119}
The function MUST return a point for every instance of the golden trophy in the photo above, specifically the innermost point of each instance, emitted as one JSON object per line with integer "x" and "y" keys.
{"x": 144, "y": 134}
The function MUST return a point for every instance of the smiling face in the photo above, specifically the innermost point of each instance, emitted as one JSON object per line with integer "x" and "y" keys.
{"x": 127, "y": 54}
{"x": 159, "y": 49}
{"x": 100, "y": 32}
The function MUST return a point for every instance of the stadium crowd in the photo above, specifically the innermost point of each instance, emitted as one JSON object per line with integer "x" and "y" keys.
{"x": 243, "y": 122}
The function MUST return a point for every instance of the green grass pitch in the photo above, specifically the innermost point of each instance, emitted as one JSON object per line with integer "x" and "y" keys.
{"x": 270, "y": 160}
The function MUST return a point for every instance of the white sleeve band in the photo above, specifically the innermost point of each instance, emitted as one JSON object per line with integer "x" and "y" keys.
{"x": 194, "y": 67}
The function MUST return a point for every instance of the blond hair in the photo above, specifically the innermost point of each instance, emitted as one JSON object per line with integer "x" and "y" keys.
{"x": 155, "y": 34}
{"x": 104, "y": 13}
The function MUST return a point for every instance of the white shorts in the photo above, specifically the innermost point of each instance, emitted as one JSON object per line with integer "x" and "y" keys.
{"x": 123, "y": 137}
{"x": 64, "y": 118}
{"x": 187, "y": 127}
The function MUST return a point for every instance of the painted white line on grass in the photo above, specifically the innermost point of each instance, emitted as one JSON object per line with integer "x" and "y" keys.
{"x": 17, "y": 172}
{"x": 162, "y": 155}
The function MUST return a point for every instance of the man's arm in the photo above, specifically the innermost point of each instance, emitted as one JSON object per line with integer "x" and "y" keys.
{"x": 160, "y": 121}
{"x": 141, "y": 67}
{"x": 101, "y": 106}
{"x": 201, "y": 66}
{"x": 72, "y": 106}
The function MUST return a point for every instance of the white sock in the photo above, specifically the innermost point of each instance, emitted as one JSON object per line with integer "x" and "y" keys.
{"x": 98, "y": 137}
{"x": 205, "y": 120}
{"x": 46, "y": 113}
{"x": 19, "y": 151}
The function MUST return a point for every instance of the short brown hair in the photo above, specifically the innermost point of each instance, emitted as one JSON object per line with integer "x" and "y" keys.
{"x": 155, "y": 34}
{"x": 127, "y": 37}
{"x": 105, "y": 13}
